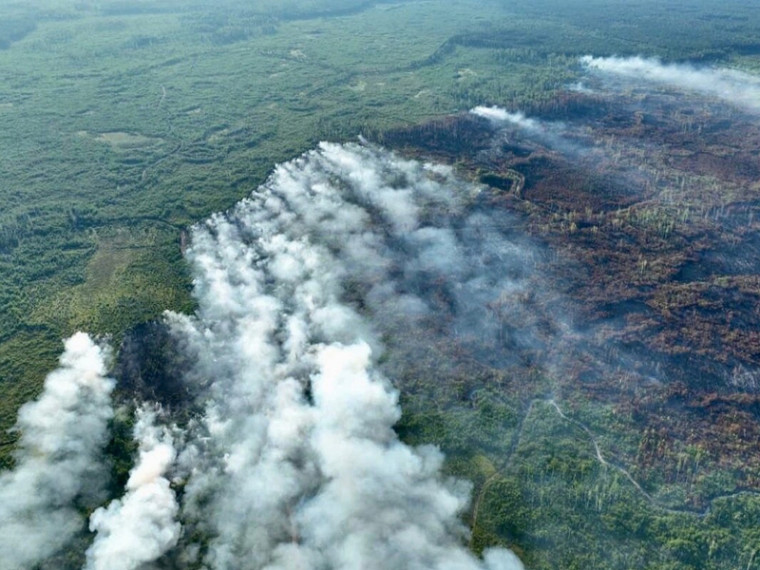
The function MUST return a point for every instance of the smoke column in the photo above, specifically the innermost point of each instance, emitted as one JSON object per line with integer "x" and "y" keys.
{"x": 295, "y": 464}
{"x": 552, "y": 134}
{"x": 58, "y": 461}
{"x": 499, "y": 115}
{"x": 141, "y": 526}
{"x": 732, "y": 86}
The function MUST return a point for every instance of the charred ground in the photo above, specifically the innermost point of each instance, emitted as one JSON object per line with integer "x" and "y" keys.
{"x": 647, "y": 201}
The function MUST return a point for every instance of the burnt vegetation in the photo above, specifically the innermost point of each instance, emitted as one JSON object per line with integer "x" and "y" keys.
{"x": 653, "y": 209}
{"x": 152, "y": 366}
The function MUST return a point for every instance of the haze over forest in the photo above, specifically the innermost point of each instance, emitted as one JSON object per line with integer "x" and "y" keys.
{"x": 345, "y": 284}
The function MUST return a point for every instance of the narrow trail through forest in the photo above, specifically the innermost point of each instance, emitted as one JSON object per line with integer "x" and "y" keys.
{"x": 599, "y": 456}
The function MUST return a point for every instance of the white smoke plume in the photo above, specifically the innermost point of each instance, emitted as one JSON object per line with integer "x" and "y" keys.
{"x": 141, "y": 526}
{"x": 58, "y": 461}
{"x": 553, "y": 134}
{"x": 295, "y": 464}
{"x": 735, "y": 87}
{"x": 499, "y": 115}
{"x": 580, "y": 87}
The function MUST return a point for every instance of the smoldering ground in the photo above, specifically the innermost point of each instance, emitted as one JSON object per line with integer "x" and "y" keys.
{"x": 552, "y": 134}
{"x": 665, "y": 141}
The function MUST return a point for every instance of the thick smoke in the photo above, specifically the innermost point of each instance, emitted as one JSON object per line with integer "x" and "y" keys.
{"x": 58, "y": 463}
{"x": 141, "y": 526}
{"x": 732, "y": 86}
{"x": 295, "y": 464}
